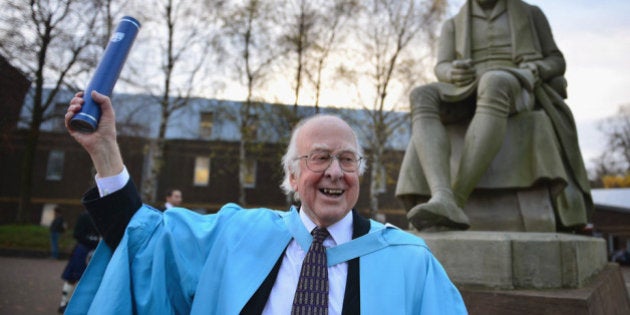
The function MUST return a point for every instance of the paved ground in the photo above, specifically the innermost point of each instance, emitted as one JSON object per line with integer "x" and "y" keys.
{"x": 30, "y": 286}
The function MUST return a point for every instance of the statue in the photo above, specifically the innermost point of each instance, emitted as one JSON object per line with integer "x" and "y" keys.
{"x": 496, "y": 59}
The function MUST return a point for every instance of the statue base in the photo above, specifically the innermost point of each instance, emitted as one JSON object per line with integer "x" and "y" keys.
{"x": 531, "y": 273}
{"x": 606, "y": 294}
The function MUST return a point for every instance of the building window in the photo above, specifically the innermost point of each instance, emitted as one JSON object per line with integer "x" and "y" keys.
{"x": 205, "y": 125}
{"x": 54, "y": 168}
{"x": 202, "y": 171}
{"x": 249, "y": 173}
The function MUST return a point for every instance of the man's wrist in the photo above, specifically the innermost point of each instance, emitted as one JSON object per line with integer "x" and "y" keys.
{"x": 110, "y": 184}
{"x": 108, "y": 162}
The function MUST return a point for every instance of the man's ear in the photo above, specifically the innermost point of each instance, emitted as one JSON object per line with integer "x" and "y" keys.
{"x": 293, "y": 181}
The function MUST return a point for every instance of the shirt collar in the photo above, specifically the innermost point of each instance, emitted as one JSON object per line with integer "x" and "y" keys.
{"x": 341, "y": 231}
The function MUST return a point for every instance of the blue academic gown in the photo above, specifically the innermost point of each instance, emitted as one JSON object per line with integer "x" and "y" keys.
{"x": 181, "y": 262}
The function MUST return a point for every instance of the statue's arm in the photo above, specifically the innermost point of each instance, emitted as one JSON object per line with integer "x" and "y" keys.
{"x": 553, "y": 64}
{"x": 445, "y": 52}
{"x": 452, "y": 68}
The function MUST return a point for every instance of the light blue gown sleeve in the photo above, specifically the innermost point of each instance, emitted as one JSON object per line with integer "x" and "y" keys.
{"x": 154, "y": 269}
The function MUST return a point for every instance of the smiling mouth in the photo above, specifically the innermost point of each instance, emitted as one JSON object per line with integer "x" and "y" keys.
{"x": 331, "y": 192}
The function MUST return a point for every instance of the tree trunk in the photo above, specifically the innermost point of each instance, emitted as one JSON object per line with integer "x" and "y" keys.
{"x": 26, "y": 179}
{"x": 242, "y": 198}
{"x": 152, "y": 170}
{"x": 374, "y": 191}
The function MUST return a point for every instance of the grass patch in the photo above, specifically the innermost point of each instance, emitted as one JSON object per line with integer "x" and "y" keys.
{"x": 32, "y": 237}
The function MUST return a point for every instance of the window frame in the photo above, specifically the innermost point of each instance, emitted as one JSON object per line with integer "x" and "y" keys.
{"x": 55, "y": 165}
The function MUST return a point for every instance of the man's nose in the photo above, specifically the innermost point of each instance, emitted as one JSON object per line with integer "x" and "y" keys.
{"x": 334, "y": 169}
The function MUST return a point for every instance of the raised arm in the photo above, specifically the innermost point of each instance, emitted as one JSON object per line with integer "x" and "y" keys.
{"x": 110, "y": 212}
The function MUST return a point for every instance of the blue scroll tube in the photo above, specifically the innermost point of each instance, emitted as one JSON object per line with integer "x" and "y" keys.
{"x": 106, "y": 74}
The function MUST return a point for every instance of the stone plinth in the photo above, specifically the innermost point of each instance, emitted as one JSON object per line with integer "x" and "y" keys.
{"x": 513, "y": 273}
{"x": 605, "y": 294}
{"x": 518, "y": 260}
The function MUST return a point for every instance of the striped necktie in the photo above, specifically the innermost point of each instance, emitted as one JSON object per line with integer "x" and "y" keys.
{"x": 311, "y": 296}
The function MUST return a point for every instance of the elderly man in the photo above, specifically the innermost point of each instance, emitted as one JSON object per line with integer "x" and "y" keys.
{"x": 255, "y": 261}
{"x": 496, "y": 58}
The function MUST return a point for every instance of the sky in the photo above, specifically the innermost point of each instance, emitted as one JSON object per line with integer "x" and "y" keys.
{"x": 594, "y": 37}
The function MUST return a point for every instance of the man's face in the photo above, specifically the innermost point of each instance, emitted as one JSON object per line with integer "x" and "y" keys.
{"x": 175, "y": 198}
{"x": 329, "y": 195}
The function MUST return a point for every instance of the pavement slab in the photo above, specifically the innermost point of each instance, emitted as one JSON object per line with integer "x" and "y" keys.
{"x": 30, "y": 286}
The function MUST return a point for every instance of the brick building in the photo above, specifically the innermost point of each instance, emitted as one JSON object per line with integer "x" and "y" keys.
{"x": 201, "y": 157}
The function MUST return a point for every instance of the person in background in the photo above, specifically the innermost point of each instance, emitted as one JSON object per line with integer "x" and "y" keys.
{"x": 87, "y": 238}
{"x": 173, "y": 198}
{"x": 57, "y": 227}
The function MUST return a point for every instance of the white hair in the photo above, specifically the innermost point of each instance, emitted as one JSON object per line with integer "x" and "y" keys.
{"x": 290, "y": 161}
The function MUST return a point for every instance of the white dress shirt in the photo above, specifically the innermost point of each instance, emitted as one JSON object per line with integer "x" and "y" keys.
{"x": 281, "y": 297}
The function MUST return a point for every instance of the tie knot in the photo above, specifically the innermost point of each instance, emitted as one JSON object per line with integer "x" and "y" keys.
{"x": 319, "y": 235}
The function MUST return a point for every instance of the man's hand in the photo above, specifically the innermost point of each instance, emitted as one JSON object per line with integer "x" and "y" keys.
{"x": 101, "y": 144}
{"x": 462, "y": 72}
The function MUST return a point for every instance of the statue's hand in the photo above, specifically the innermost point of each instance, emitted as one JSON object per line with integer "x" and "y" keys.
{"x": 462, "y": 63}
{"x": 462, "y": 72}
{"x": 462, "y": 77}
{"x": 533, "y": 67}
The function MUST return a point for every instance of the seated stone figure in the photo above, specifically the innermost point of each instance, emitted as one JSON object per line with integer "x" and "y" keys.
{"x": 497, "y": 63}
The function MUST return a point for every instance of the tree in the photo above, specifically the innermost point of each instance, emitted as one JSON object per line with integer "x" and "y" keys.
{"x": 298, "y": 38}
{"x": 249, "y": 29}
{"x": 55, "y": 47}
{"x": 310, "y": 33}
{"x": 331, "y": 26}
{"x": 395, "y": 33}
{"x": 184, "y": 33}
{"x": 614, "y": 162}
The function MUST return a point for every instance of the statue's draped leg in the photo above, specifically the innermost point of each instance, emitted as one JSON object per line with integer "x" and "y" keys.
{"x": 483, "y": 140}
{"x": 499, "y": 93}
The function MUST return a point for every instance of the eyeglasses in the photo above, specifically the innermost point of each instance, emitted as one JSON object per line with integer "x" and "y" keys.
{"x": 319, "y": 161}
